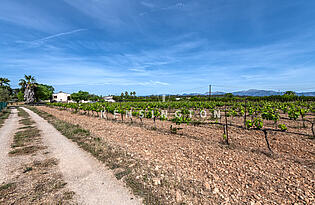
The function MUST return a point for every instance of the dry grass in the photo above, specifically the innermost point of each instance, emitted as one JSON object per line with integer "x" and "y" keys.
{"x": 28, "y": 140}
{"x": 36, "y": 183}
{"x": 4, "y": 114}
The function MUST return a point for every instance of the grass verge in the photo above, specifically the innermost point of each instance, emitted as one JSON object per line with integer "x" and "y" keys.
{"x": 115, "y": 158}
{"x": 26, "y": 119}
{"x": 24, "y": 141}
{"x": 4, "y": 115}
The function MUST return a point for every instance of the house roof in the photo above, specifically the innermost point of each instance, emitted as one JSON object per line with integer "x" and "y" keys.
{"x": 61, "y": 92}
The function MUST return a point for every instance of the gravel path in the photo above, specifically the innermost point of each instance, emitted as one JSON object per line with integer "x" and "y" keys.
{"x": 6, "y": 134}
{"x": 87, "y": 177}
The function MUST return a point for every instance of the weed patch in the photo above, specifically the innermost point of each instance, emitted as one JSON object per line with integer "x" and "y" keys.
{"x": 24, "y": 141}
{"x": 6, "y": 186}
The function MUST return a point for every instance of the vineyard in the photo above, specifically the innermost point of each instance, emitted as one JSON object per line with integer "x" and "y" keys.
{"x": 267, "y": 117}
{"x": 210, "y": 151}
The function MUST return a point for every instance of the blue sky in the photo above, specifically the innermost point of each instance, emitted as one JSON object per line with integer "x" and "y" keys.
{"x": 153, "y": 47}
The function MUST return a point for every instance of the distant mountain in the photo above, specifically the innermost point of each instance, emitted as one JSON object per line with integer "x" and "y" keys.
{"x": 215, "y": 93}
{"x": 251, "y": 92}
{"x": 306, "y": 94}
{"x": 191, "y": 94}
{"x": 254, "y": 92}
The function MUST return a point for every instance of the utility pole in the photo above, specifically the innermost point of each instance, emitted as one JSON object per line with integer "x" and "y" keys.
{"x": 209, "y": 91}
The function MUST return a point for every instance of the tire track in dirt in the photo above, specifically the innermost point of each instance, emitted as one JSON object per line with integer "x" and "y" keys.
{"x": 6, "y": 134}
{"x": 32, "y": 175}
{"x": 87, "y": 177}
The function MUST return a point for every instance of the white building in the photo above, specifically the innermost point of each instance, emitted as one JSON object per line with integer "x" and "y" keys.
{"x": 109, "y": 99}
{"x": 61, "y": 97}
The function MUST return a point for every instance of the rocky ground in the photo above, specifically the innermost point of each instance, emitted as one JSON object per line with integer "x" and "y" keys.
{"x": 194, "y": 167}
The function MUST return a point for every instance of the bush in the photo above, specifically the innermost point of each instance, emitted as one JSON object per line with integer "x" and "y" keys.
{"x": 283, "y": 127}
{"x": 249, "y": 123}
{"x": 258, "y": 123}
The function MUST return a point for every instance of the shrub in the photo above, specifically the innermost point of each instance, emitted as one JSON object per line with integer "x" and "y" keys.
{"x": 283, "y": 127}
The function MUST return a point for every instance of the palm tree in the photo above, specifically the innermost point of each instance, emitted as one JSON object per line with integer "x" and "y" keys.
{"x": 28, "y": 85}
{"x": 4, "y": 82}
{"x": 22, "y": 83}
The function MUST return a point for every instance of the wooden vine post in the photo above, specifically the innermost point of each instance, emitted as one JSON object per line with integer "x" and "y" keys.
{"x": 267, "y": 141}
{"x": 245, "y": 114}
{"x": 226, "y": 127}
{"x": 313, "y": 127}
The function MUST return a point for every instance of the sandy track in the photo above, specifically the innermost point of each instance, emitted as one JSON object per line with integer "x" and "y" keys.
{"x": 6, "y": 133}
{"x": 87, "y": 177}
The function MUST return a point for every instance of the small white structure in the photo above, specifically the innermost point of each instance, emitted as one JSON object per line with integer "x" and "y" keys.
{"x": 61, "y": 97}
{"x": 109, "y": 99}
{"x": 85, "y": 101}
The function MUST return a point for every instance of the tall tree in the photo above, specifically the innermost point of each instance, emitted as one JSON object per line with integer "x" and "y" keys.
{"x": 5, "y": 89}
{"x": 4, "y": 82}
{"x": 28, "y": 85}
{"x": 291, "y": 93}
{"x": 44, "y": 92}
{"x": 4, "y": 95}
{"x": 81, "y": 95}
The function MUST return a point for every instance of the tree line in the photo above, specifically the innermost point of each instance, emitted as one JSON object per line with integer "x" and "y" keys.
{"x": 29, "y": 91}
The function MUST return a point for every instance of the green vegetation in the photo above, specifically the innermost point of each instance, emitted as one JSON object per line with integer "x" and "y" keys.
{"x": 259, "y": 112}
{"x": 6, "y": 186}
{"x": 30, "y": 90}
{"x": 290, "y": 93}
{"x": 5, "y": 90}
{"x": 4, "y": 95}
{"x": 4, "y": 114}
{"x": 43, "y": 92}
{"x": 283, "y": 127}
{"x": 220, "y": 98}
{"x": 81, "y": 95}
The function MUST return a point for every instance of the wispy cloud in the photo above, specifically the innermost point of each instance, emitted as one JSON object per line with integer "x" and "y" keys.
{"x": 154, "y": 8}
{"x": 148, "y": 4}
{"x": 224, "y": 45}
{"x": 41, "y": 40}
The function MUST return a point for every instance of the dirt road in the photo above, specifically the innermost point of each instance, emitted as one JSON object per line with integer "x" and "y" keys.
{"x": 6, "y": 132}
{"x": 91, "y": 182}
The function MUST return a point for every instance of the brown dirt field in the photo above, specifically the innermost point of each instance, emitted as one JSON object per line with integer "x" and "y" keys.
{"x": 196, "y": 168}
